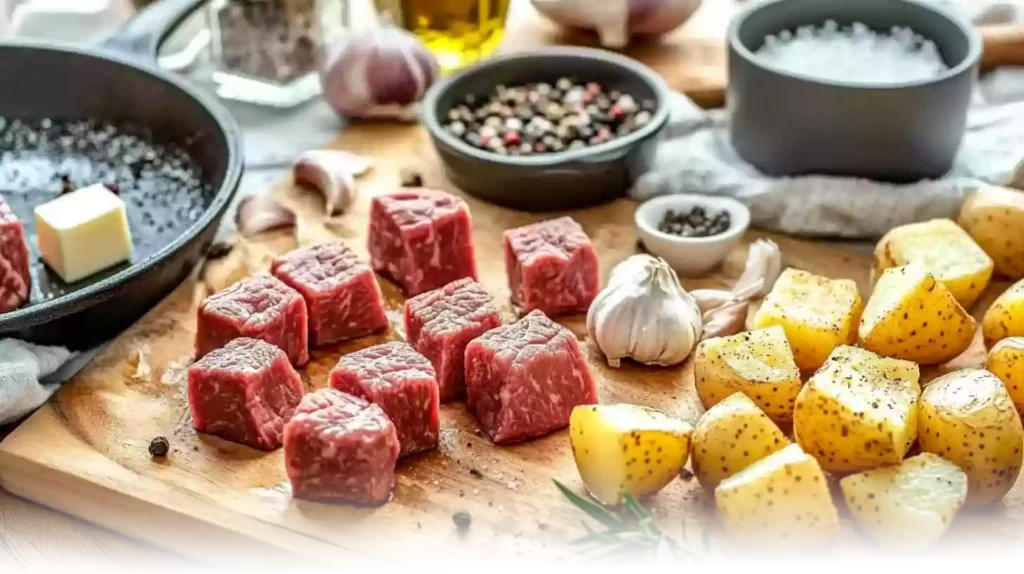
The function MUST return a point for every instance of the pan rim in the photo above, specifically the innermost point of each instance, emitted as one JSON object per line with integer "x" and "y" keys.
{"x": 70, "y": 303}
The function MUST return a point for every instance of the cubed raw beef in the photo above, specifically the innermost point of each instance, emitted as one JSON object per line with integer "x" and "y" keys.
{"x": 260, "y": 307}
{"x": 15, "y": 280}
{"x": 524, "y": 379}
{"x": 341, "y": 292}
{"x": 244, "y": 392}
{"x": 402, "y": 382}
{"x": 551, "y": 266}
{"x": 340, "y": 448}
{"x": 422, "y": 239}
{"x": 440, "y": 323}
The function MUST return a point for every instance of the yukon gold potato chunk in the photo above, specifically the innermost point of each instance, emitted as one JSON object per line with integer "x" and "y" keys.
{"x": 757, "y": 363}
{"x": 731, "y": 436}
{"x": 780, "y": 499}
{"x": 859, "y": 411}
{"x": 911, "y": 316}
{"x": 1005, "y": 318}
{"x": 1006, "y": 361}
{"x": 945, "y": 250}
{"x": 627, "y": 448}
{"x": 909, "y": 506}
{"x": 994, "y": 217}
{"x": 817, "y": 313}
{"x": 967, "y": 418}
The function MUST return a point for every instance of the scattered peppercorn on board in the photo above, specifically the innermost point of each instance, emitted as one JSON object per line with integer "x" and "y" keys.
{"x": 692, "y": 59}
{"x": 87, "y": 452}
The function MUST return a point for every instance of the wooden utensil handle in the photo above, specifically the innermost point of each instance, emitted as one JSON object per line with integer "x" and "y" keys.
{"x": 1004, "y": 46}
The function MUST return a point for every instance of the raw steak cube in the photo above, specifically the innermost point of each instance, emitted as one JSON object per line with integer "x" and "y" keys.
{"x": 341, "y": 292}
{"x": 551, "y": 266}
{"x": 442, "y": 322}
{"x": 524, "y": 379}
{"x": 340, "y": 448}
{"x": 259, "y": 307}
{"x": 402, "y": 382}
{"x": 244, "y": 392}
{"x": 15, "y": 280}
{"x": 421, "y": 238}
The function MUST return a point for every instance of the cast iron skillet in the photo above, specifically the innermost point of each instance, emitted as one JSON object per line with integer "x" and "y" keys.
{"x": 173, "y": 215}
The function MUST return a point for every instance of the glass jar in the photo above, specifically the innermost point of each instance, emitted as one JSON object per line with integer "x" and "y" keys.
{"x": 269, "y": 51}
{"x": 458, "y": 32}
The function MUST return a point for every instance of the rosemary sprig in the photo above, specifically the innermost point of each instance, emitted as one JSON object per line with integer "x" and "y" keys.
{"x": 632, "y": 529}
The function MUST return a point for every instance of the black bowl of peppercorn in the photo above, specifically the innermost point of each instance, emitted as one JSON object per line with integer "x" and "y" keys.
{"x": 558, "y": 128}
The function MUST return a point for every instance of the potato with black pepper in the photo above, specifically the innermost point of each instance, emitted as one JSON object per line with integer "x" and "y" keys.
{"x": 908, "y": 506}
{"x": 945, "y": 250}
{"x": 757, "y": 363}
{"x": 967, "y": 418}
{"x": 818, "y": 314}
{"x": 731, "y": 436}
{"x": 1005, "y": 318}
{"x": 1006, "y": 361}
{"x": 627, "y": 448}
{"x": 994, "y": 218}
{"x": 911, "y": 316}
{"x": 780, "y": 499}
{"x": 859, "y": 411}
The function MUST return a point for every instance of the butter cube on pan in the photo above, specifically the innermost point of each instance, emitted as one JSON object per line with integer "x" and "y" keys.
{"x": 83, "y": 232}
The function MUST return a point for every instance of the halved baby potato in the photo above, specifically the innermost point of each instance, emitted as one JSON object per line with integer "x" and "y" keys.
{"x": 1006, "y": 361}
{"x": 908, "y": 506}
{"x": 757, "y": 363}
{"x": 1005, "y": 318}
{"x": 911, "y": 316}
{"x": 994, "y": 218}
{"x": 945, "y": 250}
{"x": 968, "y": 418}
{"x": 731, "y": 436}
{"x": 818, "y": 314}
{"x": 859, "y": 411}
{"x": 782, "y": 499}
{"x": 627, "y": 448}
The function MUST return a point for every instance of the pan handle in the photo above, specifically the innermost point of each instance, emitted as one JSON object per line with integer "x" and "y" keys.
{"x": 142, "y": 35}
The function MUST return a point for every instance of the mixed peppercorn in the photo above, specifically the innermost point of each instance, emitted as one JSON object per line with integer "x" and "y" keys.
{"x": 542, "y": 118}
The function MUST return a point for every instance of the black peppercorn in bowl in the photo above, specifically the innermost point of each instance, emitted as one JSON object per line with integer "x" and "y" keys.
{"x": 788, "y": 122}
{"x": 560, "y": 170}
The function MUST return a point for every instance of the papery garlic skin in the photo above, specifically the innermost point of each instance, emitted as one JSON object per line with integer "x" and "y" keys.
{"x": 379, "y": 72}
{"x": 764, "y": 264}
{"x": 644, "y": 314}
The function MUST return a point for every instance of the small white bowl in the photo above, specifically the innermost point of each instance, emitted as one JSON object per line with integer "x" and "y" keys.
{"x": 690, "y": 256}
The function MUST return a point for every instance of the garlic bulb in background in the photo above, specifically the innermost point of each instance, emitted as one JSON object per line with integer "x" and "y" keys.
{"x": 378, "y": 72}
{"x": 644, "y": 314}
{"x": 615, "y": 21}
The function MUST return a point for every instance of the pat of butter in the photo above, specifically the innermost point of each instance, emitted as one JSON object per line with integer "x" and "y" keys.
{"x": 83, "y": 232}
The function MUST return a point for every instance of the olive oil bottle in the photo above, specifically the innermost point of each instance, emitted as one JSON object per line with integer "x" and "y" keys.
{"x": 458, "y": 32}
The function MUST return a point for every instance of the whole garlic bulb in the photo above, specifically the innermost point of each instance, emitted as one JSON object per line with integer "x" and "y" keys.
{"x": 377, "y": 72}
{"x": 645, "y": 314}
{"x": 615, "y": 21}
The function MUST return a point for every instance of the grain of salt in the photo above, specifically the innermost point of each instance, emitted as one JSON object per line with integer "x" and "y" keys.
{"x": 855, "y": 54}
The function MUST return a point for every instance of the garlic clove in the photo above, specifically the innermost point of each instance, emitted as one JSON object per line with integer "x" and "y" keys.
{"x": 260, "y": 213}
{"x": 379, "y": 72}
{"x": 764, "y": 263}
{"x": 332, "y": 173}
{"x": 710, "y": 299}
{"x": 728, "y": 320}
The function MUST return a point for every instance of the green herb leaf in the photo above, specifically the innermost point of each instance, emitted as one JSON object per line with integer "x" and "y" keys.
{"x": 595, "y": 511}
{"x": 664, "y": 557}
{"x": 604, "y": 553}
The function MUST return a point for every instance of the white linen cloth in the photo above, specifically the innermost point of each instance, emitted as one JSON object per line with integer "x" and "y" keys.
{"x": 24, "y": 369}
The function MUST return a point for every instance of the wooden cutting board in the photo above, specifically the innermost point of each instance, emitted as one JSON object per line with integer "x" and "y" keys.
{"x": 85, "y": 452}
{"x": 693, "y": 59}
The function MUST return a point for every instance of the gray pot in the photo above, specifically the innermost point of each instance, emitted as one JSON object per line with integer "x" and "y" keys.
{"x": 555, "y": 181}
{"x": 785, "y": 124}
